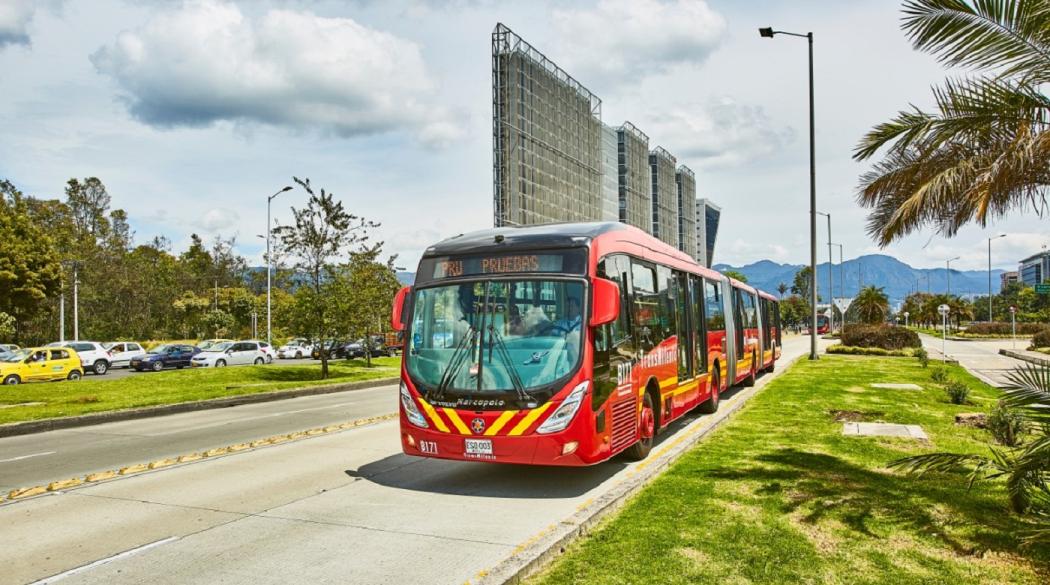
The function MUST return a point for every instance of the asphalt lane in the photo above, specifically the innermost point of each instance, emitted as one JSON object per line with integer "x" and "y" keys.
{"x": 979, "y": 357}
{"x": 345, "y": 507}
{"x": 28, "y": 460}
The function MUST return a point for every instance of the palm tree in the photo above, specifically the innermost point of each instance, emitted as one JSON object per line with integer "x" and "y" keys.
{"x": 872, "y": 304}
{"x": 782, "y": 289}
{"x": 1026, "y": 468}
{"x": 985, "y": 150}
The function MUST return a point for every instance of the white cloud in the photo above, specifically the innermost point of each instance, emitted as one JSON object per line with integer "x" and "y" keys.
{"x": 973, "y": 254}
{"x": 619, "y": 42}
{"x": 15, "y": 16}
{"x": 720, "y": 133}
{"x": 220, "y": 219}
{"x": 206, "y": 61}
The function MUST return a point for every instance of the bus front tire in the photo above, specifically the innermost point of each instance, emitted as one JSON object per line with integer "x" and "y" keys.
{"x": 647, "y": 429}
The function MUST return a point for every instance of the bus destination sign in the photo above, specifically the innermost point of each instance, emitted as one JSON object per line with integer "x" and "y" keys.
{"x": 453, "y": 267}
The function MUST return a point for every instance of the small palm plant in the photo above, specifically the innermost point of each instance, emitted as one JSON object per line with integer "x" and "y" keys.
{"x": 1026, "y": 468}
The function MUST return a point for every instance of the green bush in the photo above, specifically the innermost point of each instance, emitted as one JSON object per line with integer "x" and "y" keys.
{"x": 923, "y": 356}
{"x": 939, "y": 375}
{"x": 957, "y": 392}
{"x": 853, "y": 350}
{"x": 1041, "y": 339}
{"x": 1005, "y": 328}
{"x": 884, "y": 336}
{"x": 1006, "y": 425}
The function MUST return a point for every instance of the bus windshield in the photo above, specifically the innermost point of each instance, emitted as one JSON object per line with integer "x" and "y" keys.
{"x": 495, "y": 335}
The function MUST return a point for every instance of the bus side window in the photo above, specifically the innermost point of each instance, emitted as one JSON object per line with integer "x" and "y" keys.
{"x": 696, "y": 291}
{"x": 618, "y": 333}
{"x": 716, "y": 319}
{"x": 645, "y": 305}
{"x": 667, "y": 290}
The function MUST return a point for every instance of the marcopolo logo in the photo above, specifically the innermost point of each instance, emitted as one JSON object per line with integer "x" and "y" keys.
{"x": 477, "y": 425}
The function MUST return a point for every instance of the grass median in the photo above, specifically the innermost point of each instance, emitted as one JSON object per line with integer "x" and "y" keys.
{"x": 780, "y": 495}
{"x": 56, "y": 399}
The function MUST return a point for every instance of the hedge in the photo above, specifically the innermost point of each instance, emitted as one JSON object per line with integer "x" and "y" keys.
{"x": 1041, "y": 339}
{"x": 852, "y": 350}
{"x": 884, "y": 336}
{"x": 1005, "y": 328}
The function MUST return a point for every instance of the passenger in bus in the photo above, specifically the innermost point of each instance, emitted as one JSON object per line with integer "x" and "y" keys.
{"x": 516, "y": 325}
{"x": 572, "y": 319}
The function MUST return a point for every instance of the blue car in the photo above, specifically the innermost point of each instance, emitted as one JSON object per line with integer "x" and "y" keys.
{"x": 164, "y": 356}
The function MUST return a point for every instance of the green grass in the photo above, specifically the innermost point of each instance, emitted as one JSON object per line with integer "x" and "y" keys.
{"x": 93, "y": 394}
{"x": 779, "y": 495}
{"x": 838, "y": 348}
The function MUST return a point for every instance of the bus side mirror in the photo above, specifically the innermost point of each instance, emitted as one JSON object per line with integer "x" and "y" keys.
{"x": 605, "y": 307}
{"x": 398, "y": 310}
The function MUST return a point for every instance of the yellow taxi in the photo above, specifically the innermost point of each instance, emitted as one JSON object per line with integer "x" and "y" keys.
{"x": 41, "y": 364}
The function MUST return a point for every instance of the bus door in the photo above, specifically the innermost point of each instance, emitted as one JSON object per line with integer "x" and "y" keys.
{"x": 740, "y": 316}
{"x": 732, "y": 325}
{"x": 685, "y": 394}
{"x": 615, "y": 398}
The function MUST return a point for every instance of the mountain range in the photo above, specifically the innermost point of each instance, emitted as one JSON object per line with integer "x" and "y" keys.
{"x": 896, "y": 277}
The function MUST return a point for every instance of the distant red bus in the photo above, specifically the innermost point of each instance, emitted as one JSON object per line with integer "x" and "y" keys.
{"x": 568, "y": 344}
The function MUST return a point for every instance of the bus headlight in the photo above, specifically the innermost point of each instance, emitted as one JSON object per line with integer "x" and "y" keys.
{"x": 411, "y": 410}
{"x": 560, "y": 418}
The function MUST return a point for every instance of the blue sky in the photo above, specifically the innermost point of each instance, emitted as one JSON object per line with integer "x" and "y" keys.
{"x": 192, "y": 112}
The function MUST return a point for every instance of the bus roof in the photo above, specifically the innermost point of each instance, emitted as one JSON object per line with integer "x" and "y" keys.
{"x": 552, "y": 235}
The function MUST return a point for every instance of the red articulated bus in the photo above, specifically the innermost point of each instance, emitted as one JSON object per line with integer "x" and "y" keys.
{"x": 567, "y": 344}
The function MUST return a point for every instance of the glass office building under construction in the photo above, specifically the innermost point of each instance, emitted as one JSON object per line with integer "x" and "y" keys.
{"x": 553, "y": 160}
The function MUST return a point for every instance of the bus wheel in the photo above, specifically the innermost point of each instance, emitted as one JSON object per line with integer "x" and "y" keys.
{"x": 750, "y": 379}
{"x": 711, "y": 405}
{"x": 647, "y": 422}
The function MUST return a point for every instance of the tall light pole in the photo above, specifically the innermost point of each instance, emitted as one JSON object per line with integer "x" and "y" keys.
{"x": 842, "y": 286}
{"x": 831, "y": 278}
{"x": 948, "y": 267}
{"x": 990, "y": 274}
{"x": 768, "y": 33}
{"x": 269, "y": 263}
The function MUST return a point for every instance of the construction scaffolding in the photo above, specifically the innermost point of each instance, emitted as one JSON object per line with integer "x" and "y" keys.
{"x": 610, "y": 176}
{"x": 635, "y": 199}
{"x": 685, "y": 181}
{"x": 664, "y": 194}
{"x": 547, "y": 138}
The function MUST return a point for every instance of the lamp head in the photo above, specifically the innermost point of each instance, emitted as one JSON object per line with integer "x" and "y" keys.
{"x": 287, "y": 188}
{"x": 766, "y": 32}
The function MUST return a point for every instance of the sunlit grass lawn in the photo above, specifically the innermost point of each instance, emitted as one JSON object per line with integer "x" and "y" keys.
{"x": 779, "y": 495}
{"x": 98, "y": 394}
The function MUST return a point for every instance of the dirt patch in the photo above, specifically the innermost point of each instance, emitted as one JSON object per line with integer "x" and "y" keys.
{"x": 977, "y": 420}
{"x": 85, "y": 400}
{"x": 820, "y": 534}
{"x": 697, "y": 556}
{"x": 855, "y": 415}
{"x": 856, "y": 389}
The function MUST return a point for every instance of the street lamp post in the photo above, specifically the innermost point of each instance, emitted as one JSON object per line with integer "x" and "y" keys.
{"x": 831, "y": 279}
{"x": 948, "y": 273}
{"x": 768, "y": 32}
{"x": 269, "y": 263}
{"x": 990, "y": 274}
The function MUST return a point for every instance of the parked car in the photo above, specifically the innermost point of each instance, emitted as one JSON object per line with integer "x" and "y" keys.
{"x": 209, "y": 344}
{"x": 41, "y": 364}
{"x": 233, "y": 353}
{"x": 10, "y": 347}
{"x": 121, "y": 352}
{"x": 266, "y": 348}
{"x": 296, "y": 348}
{"x": 356, "y": 349}
{"x": 173, "y": 355}
{"x": 334, "y": 349}
{"x": 4, "y": 354}
{"x": 94, "y": 357}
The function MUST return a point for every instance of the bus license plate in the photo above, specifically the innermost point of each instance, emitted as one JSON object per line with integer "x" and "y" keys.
{"x": 478, "y": 446}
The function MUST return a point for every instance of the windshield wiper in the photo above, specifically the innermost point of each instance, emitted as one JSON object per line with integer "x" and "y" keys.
{"x": 455, "y": 363}
{"x": 508, "y": 363}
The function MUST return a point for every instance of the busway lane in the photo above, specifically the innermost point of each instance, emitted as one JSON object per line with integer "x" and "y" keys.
{"x": 346, "y": 507}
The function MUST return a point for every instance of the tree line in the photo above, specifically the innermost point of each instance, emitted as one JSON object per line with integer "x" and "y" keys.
{"x": 329, "y": 278}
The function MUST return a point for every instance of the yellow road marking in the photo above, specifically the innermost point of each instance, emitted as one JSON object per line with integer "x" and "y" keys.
{"x": 433, "y": 415}
{"x": 500, "y": 422}
{"x": 456, "y": 421}
{"x": 528, "y": 420}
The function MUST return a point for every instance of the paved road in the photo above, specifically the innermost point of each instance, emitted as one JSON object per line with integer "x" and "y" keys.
{"x": 980, "y": 357}
{"x": 28, "y": 460}
{"x": 346, "y": 507}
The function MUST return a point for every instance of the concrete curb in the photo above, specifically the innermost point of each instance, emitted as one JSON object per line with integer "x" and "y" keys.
{"x": 41, "y": 426}
{"x": 94, "y": 478}
{"x": 539, "y": 551}
{"x": 1025, "y": 358}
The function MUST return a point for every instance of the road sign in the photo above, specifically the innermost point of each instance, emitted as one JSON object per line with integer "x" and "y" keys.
{"x": 1042, "y": 289}
{"x": 943, "y": 309}
{"x": 843, "y": 303}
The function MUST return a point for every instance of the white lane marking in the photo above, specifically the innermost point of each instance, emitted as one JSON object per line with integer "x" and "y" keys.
{"x": 27, "y": 456}
{"x": 100, "y": 562}
{"x": 247, "y": 419}
{"x": 340, "y": 405}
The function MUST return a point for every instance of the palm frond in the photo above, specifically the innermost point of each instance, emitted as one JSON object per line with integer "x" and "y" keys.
{"x": 1013, "y": 37}
{"x": 1029, "y": 389}
{"x": 946, "y": 462}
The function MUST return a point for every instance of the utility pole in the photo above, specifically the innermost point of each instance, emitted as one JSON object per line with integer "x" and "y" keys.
{"x": 831, "y": 279}
{"x": 76, "y": 308}
{"x": 62, "y": 309}
{"x": 269, "y": 263}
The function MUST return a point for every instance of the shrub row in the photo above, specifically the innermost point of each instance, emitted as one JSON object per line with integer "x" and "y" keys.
{"x": 884, "y": 336}
{"x": 853, "y": 350}
{"x": 1005, "y": 329}
{"x": 1041, "y": 339}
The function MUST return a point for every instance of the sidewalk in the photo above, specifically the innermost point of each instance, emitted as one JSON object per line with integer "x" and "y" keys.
{"x": 980, "y": 357}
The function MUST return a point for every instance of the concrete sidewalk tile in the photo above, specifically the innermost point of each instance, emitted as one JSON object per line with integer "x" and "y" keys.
{"x": 864, "y": 429}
